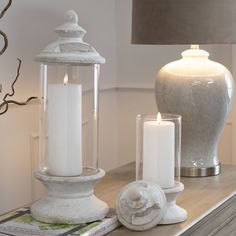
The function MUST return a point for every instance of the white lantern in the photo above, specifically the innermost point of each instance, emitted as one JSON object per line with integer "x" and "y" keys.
{"x": 68, "y": 165}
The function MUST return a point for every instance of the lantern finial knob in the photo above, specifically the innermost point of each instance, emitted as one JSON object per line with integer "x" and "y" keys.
{"x": 70, "y": 47}
{"x": 71, "y": 17}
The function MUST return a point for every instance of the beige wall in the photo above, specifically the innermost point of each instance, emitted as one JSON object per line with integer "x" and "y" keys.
{"x": 16, "y": 128}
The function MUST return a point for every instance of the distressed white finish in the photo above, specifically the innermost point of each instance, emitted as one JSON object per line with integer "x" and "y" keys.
{"x": 141, "y": 205}
{"x": 200, "y": 90}
{"x": 174, "y": 213}
{"x": 70, "y": 47}
{"x": 70, "y": 200}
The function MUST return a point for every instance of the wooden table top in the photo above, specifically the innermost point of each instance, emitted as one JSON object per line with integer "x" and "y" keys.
{"x": 200, "y": 195}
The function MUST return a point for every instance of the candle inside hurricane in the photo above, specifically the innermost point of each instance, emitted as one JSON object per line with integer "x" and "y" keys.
{"x": 65, "y": 129}
{"x": 64, "y": 104}
{"x": 159, "y": 151}
{"x": 158, "y": 156}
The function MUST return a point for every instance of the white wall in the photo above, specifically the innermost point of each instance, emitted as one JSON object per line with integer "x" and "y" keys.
{"x": 15, "y": 163}
{"x": 30, "y": 27}
{"x": 108, "y": 130}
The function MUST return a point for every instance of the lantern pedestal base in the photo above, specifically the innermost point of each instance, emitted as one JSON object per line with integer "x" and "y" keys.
{"x": 70, "y": 200}
{"x": 174, "y": 214}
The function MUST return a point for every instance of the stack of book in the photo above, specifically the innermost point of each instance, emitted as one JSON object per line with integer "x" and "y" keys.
{"x": 20, "y": 223}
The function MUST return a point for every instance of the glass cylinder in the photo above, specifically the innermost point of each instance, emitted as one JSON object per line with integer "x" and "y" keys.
{"x": 158, "y": 148}
{"x": 69, "y": 118}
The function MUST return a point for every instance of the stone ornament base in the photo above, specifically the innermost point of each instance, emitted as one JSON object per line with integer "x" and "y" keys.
{"x": 70, "y": 200}
{"x": 174, "y": 213}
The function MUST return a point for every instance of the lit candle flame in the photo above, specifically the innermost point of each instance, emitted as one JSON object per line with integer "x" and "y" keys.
{"x": 66, "y": 79}
{"x": 158, "y": 117}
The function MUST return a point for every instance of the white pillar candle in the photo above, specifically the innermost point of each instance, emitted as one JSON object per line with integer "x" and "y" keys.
{"x": 65, "y": 129}
{"x": 158, "y": 152}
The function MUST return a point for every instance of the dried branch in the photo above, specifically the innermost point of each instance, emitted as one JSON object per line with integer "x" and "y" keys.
{"x": 1, "y": 32}
{"x": 5, "y": 103}
{"x": 12, "y": 86}
{"x": 5, "y": 8}
{"x": 5, "y": 42}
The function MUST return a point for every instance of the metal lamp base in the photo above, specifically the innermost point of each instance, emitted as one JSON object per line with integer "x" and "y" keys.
{"x": 70, "y": 200}
{"x": 200, "y": 172}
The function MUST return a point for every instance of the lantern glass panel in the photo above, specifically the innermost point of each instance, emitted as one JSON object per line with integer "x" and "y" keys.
{"x": 158, "y": 149}
{"x": 68, "y": 118}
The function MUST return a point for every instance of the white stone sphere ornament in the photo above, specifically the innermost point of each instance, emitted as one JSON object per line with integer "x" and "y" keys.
{"x": 141, "y": 205}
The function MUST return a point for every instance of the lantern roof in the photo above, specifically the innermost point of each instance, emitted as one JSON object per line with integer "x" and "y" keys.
{"x": 70, "y": 47}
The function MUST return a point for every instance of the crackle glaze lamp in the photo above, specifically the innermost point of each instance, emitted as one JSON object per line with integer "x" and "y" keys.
{"x": 68, "y": 141}
{"x": 198, "y": 89}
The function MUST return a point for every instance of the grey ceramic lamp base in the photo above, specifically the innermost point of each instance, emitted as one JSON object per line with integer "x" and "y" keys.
{"x": 199, "y": 90}
{"x": 70, "y": 200}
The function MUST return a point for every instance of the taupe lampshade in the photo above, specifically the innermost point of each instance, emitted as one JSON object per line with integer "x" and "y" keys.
{"x": 184, "y": 22}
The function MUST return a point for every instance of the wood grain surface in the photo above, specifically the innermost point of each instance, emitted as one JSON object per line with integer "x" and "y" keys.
{"x": 201, "y": 195}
